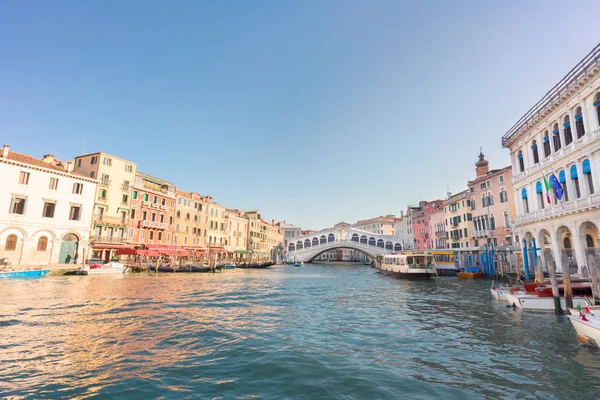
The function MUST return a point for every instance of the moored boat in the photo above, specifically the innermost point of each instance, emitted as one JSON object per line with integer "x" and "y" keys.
{"x": 99, "y": 269}
{"x": 499, "y": 292}
{"x": 444, "y": 263}
{"x": 408, "y": 265}
{"x": 229, "y": 266}
{"x": 535, "y": 302}
{"x": 470, "y": 273}
{"x": 36, "y": 273}
{"x": 194, "y": 268}
{"x": 161, "y": 268}
{"x": 587, "y": 324}
{"x": 300, "y": 264}
{"x": 256, "y": 265}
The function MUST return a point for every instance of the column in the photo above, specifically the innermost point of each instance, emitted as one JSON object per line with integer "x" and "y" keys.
{"x": 579, "y": 246}
{"x": 556, "y": 246}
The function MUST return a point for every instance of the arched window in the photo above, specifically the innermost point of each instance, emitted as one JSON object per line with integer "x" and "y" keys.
{"x": 42, "y": 243}
{"x": 306, "y": 243}
{"x": 579, "y": 123}
{"x": 540, "y": 193}
{"x": 331, "y": 237}
{"x": 562, "y": 178}
{"x": 567, "y": 130}
{"x": 299, "y": 245}
{"x": 597, "y": 105}
{"x": 586, "y": 168}
{"x": 575, "y": 179}
{"x": 389, "y": 246}
{"x": 323, "y": 239}
{"x": 506, "y": 220}
{"x": 397, "y": 247}
{"x": 363, "y": 239}
{"x": 11, "y": 243}
{"x": 355, "y": 237}
{"x": 534, "y": 151}
{"x": 521, "y": 161}
{"x": 547, "y": 150}
{"x": 556, "y": 138}
{"x": 380, "y": 243}
{"x": 315, "y": 241}
{"x": 525, "y": 203}
{"x": 567, "y": 243}
{"x": 292, "y": 247}
{"x": 371, "y": 241}
{"x": 589, "y": 241}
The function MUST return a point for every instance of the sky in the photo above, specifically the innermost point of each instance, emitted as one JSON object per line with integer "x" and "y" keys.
{"x": 314, "y": 112}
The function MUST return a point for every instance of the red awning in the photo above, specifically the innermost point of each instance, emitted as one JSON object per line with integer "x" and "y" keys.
{"x": 126, "y": 252}
{"x": 111, "y": 246}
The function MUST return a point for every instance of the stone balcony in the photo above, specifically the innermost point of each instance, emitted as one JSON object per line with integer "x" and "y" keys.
{"x": 152, "y": 224}
{"x": 108, "y": 239}
{"x": 482, "y": 233}
{"x": 569, "y": 207}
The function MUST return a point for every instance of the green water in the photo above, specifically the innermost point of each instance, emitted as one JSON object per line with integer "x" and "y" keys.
{"x": 320, "y": 331}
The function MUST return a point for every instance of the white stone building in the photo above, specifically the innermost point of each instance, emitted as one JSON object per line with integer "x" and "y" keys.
{"x": 45, "y": 210}
{"x": 560, "y": 137}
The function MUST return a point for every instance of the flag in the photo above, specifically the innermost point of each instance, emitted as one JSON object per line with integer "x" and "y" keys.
{"x": 558, "y": 189}
{"x": 547, "y": 187}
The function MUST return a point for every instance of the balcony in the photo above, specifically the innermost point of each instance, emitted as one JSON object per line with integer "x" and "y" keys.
{"x": 559, "y": 210}
{"x": 108, "y": 239}
{"x": 152, "y": 224}
{"x": 482, "y": 233}
{"x": 105, "y": 182}
{"x": 125, "y": 187}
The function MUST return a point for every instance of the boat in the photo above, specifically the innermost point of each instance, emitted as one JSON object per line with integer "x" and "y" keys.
{"x": 256, "y": 265}
{"x": 586, "y": 322}
{"x": 300, "y": 264}
{"x": 35, "y": 273}
{"x": 499, "y": 292}
{"x": 408, "y": 265}
{"x": 535, "y": 302}
{"x": 229, "y": 266}
{"x": 194, "y": 268}
{"x": 161, "y": 268}
{"x": 444, "y": 263}
{"x": 112, "y": 267}
{"x": 470, "y": 273}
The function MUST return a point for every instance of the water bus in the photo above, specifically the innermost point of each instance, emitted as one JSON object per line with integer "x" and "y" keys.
{"x": 408, "y": 265}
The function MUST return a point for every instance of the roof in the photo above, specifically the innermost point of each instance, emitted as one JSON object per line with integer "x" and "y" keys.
{"x": 25, "y": 159}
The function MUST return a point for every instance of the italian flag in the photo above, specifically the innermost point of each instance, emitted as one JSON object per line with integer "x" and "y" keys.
{"x": 547, "y": 188}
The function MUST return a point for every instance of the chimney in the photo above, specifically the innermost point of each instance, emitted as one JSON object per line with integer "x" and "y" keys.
{"x": 5, "y": 151}
{"x": 69, "y": 166}
{"x": 448, "y": 195}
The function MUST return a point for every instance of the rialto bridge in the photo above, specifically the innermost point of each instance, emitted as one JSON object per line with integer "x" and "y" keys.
{"x": 341, "y": 236}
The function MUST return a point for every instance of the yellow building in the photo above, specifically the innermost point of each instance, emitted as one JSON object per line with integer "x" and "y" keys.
{"x": 457, "y": 215}
{"x": 113, "y": 201}
{"x": 263, "y": 237}
{"x": 238, "y": 230}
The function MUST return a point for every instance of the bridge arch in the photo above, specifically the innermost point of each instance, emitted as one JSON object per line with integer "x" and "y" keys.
{"x": 323, "y": 239}
{"x": 331, "y": 237}
{"x": 368, "y": 252}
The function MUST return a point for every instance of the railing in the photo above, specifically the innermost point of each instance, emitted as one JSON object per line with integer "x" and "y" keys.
{"x": 482, "y": 233}
{"x": 125, "y": 187}
{"x": 560, "y": 209}
{"x": 336, "y": 243}
{"x": 106, "y": 182}
{"x": 108, "y": 239}
{"x": 152, "y": 224}
{"x": 576, "y": 74}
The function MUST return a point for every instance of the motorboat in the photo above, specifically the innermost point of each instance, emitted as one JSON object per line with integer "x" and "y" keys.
{"x": 300, "y": 264}
{"x": 256, "y": 265}
{"x": 408, "y": 265}
{"x": 499, "y": 292}
{"x": 161, "y": 268}
{"x": 112, "y": 267}
{"x": 470, "y": 273}
{"x": 24, "y": 273}
{"x": 586, "y": 322}
{"x": 535, "y": 302}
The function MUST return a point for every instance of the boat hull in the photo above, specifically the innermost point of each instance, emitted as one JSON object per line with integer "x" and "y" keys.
{"x": 441, "y": 271}
{"x": 194, "y": 269}
{"x": 38, "y": 273}
{"x": 533, "y": 302}
{"x": 499, "y": 293}
{"x": 469, "y": 275}
{"x": 408, "y": 275}
{"x": 100, "y": 271}
{"x": 588, "y": 331}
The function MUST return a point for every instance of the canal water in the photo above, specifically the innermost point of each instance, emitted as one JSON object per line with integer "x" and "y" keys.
{"x": 338, "y": 331}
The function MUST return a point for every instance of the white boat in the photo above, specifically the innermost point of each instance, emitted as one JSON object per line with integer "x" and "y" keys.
{"x": 96, "y": 269}
{"x": 499, "y": 292}
{"x": 408, "y": 265}
{"x": 533, "y": 302}
{"x": 587, "y": 326}
{"x": 594, "y": 309}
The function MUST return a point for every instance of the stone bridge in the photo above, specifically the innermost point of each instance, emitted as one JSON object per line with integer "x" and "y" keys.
{"x": 341, "y": 236}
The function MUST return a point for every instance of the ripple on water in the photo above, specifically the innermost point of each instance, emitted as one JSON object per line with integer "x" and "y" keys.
{"x": 319, "y": 331}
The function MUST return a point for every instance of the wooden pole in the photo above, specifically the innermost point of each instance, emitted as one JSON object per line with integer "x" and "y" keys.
{"x": 567, "y": 284}
{"x": 552, "y": 273}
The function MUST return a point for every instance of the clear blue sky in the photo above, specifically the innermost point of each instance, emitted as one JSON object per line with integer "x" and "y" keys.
{"x": 311, "y": 111}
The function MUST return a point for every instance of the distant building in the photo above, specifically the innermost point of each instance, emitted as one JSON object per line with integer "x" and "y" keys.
{"x": 237, "y": 230}
{"x": 384, "y": 225}
{"x": 45, "y": 210}
{"x": 457, "y": 212}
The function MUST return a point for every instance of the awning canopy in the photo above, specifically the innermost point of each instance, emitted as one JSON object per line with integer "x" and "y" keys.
{"x": 111, "y": 246}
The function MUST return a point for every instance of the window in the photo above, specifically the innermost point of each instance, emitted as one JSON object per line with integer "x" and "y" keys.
{"x": 179, "y": 201}
{"x": 521, "y": 162}
{"x": 587, "y": 171}
{"x": 128, "y": 168}
{"x": 503, "y": 196}
{"x": 11, "y": 243}
{"x": 48, "y": 211}
{"x": 105, "y": 179}
{"x": 556, "y": 138}
{"x": 482, "y": 186}
{"x": 153, "y": 216}
{"x": 164, "y": 201}
{"x": 132, "y": 213}
{"x": 24, "y": 178}
{"x": 78, "y": 188}
{"x": 142, "y": 235}
{"x": 144, "y": 215}
{"x": 53, "y": 184}
{"x": 94, "y": 160}
{"x": 126, "y": 185}
{"x": 575, "y": 179}
{"x": 525, "y": 202}
{"x": 534, "y": 151}
{"x": 134, "y": 195}
{"x": 79, "y": 163}
{"x": 501, "y": 179}
{"x": 151, "y": 235}
{"x": 125, "y": 198}
{"x": 172, "y": 203}
{"x": 579, "y": 123}
{"x": 562, "y": 178}
{"x": 159, "y": 236}
{"x": 506, "y": 221}
{"x": 92, "y": 174}
{"x": 488, "y": 183}
{"x": 589, "y": 241}
{"x": 75, "y": 214}
{"x": 154, "y": 199}
{"x": 567, "y": 130}
{"x": 178, "y": 214}
{"x": 546, "y": 144}
{"x": 42, "y": 244}
{"x": 162, "y": 218}
{"x": 102, "y": 194}
{"x": 145, "y": 196}
{"x": 18, "y": 205}
{"x": 107, "y": 161}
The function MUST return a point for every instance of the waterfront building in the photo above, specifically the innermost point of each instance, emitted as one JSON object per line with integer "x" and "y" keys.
{"x": 218, "y": 227}
{"x": 45, "y": 210}
{"x": 437, "y": 227}
{"x": 419, "y": 227}
{"x": 290, "y": 233}
{"x": 152, "y": 212}
{"x": 113, "y": 200}
{"x": 404, "y": 227}
{"x": 383, "y": 225}
{"x": 188, "y": 229}
{"x": 492, "y": 205}
{"x": 559, "y": 139}
{"x": 237, "y": 230}
{"x": 263, "y": 237}
{"x": 457, "y": 212}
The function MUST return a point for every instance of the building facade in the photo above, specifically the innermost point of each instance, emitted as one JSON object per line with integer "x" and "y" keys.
{"x": 492, "y": 205}
{"x": 45, "y": 211}
{"x": 113, "y": 201}
{"x": 437, "y": 228}
{"x": 457, "y": 212}
{"x": 237, "y": 230}
{"x": 189, "y": 230}
{"x": 384, "y": 225}
{"x": 559, "y": 139}
{"x": 152, "y": 213}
